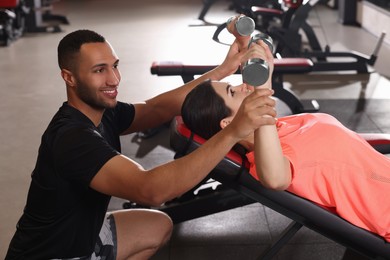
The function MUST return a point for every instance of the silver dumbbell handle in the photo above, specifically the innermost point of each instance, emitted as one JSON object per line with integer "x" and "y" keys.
{"x": 265, "y": 38}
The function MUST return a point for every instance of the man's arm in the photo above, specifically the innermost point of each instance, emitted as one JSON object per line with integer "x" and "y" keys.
{"x": 164, "y": 107}
{"x": 122, "y": 177}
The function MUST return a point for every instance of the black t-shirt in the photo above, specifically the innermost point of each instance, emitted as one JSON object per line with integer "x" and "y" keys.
{"x": 63, "y": 215}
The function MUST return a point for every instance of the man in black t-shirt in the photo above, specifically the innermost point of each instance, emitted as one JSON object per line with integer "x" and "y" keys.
{"x": 80, "y": 165}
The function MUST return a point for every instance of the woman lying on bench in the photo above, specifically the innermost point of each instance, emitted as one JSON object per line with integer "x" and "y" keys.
{"x": 311, "y": 155}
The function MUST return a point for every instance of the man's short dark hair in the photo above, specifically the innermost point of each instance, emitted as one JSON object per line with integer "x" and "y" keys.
{"x": 70, "y": 45}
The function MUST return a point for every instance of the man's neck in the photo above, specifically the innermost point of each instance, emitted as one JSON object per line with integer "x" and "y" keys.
{"x": 95, "y": 115}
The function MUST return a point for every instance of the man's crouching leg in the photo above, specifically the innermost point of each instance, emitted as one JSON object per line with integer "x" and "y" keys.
{"x": 141, "y": 232}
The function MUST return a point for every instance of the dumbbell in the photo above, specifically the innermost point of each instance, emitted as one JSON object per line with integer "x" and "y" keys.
{"x": 242, "y": 26}
{"x": 255, "y": 71}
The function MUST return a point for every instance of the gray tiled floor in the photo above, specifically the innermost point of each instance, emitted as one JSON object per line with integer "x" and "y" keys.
{"x": 145, "y": 31}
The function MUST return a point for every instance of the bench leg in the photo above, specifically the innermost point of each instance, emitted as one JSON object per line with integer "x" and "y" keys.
{"x": 206, "y": 6}
{"x": 352, "y": 255}
{"x": 284, "y": 237}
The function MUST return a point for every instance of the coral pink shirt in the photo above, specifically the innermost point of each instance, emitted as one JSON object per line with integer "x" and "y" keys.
{"x": 334, "y": 167}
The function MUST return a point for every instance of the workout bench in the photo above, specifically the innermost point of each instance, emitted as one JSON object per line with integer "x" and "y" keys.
{"x": 232, "y": 173}
{"x": 40, "y": 13}
{"x": 288, "y": 40}
{"x": 282, "y": 66}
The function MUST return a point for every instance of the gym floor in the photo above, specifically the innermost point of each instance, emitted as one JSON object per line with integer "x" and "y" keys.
{"x": 153, "y": 30}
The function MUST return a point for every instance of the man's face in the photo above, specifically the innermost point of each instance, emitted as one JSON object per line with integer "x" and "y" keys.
{"x": 97, "y": 75}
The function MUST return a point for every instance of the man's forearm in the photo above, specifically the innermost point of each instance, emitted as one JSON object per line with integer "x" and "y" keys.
{"x": 168, "y": 104}
{"x": 179, "y": 176}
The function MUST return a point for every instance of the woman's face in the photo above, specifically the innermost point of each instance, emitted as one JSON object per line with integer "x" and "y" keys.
{"x": 232, "y": 95}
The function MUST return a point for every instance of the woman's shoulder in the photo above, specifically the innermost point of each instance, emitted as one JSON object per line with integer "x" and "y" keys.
{"x": 305, "y": 118}
{"x": 305, "y": 122}
{"x": 302, "y": 116}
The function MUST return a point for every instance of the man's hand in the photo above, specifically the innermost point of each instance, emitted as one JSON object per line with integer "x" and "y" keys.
{"x": 241, "y": 39}
{"x": 257, "y": 109}
{"x": 232, "y": 61}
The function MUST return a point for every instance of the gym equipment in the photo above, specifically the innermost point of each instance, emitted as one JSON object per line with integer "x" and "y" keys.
{"x": 48, "y": 16}
{"x": 272, "y": 16}
{"x": 265, "y": 14}
{"x": 281, "y": 67}
{"x": 206, "y": 6}
{"x": 255, "y": 71}
{"x": 242, "y": 26}
{"x": 254, "y": 17}
{"x": 41, "y": 12}
{"x": 232, "y": 173}
{"x": 27, "y": 16}
{"x": 293, "y": 10}
{"x": 6, "y": 26}
{"x": 288, "y": 43}
{"x": 12, "y": 20}
{"x": 268, "y": 9}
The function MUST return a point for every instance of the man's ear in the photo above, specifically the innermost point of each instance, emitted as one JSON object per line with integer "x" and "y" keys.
{"x": 225, "y": 122}
{"x": 68, "y": 77}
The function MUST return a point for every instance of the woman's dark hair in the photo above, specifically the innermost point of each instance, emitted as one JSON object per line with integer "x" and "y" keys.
{"x": 203, "y": 109}
{"x": 70, "y": 45}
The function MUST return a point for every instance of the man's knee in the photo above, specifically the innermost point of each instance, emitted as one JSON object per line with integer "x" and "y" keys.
{"x": 141, "y": 231}
{"x": 164, "y": 227}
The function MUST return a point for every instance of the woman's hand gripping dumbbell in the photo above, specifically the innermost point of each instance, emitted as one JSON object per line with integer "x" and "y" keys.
{"x": 255, "y": 71}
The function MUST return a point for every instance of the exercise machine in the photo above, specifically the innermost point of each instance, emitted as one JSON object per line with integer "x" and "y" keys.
{"x": 27, "y": 16}
{"x": 268, "y": 8}
{"x": 41, "y": 19}
{"x": 12, "y": 20}
{"x": 288, "y": 41}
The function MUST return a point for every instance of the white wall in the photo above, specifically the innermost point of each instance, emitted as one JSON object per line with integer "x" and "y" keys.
{"x": 374, "y": 19}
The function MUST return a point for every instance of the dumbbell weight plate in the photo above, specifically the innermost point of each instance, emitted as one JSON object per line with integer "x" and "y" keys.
{"x": 245, "y": 25}
{"x": 255, "y": 72}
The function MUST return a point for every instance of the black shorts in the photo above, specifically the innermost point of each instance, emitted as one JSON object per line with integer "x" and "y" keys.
{"x": 105, "y": 248}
